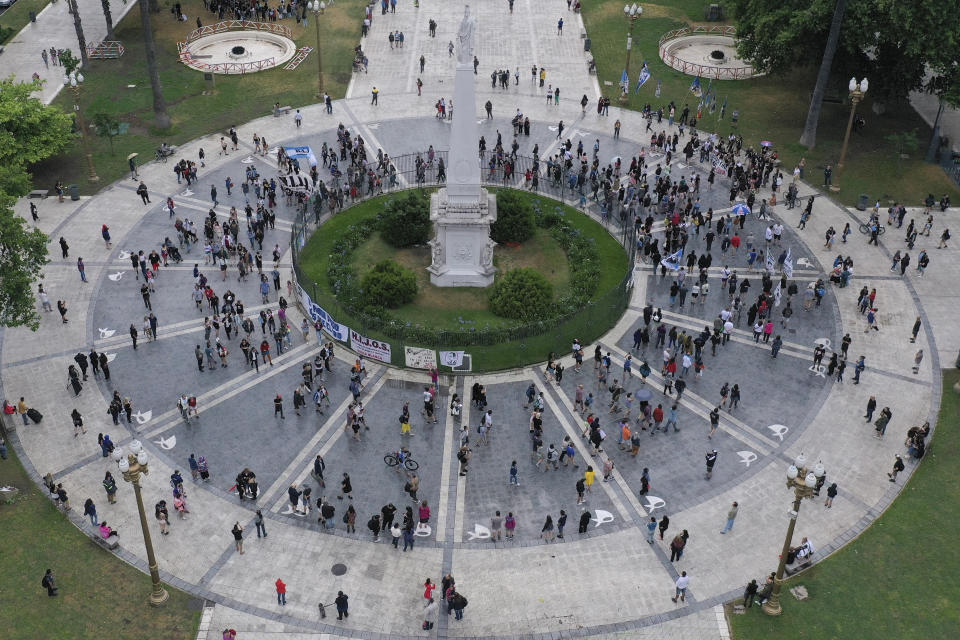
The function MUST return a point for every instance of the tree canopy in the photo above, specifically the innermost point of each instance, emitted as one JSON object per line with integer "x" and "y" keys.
{"x": 895, "y": 44}
{"x": 29, "y": 132}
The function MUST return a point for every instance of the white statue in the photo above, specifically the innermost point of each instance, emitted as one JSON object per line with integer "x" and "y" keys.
{"x": 468, "y": 27}
{"x": 437, "y": 252}
{"x": 487, "y": 255}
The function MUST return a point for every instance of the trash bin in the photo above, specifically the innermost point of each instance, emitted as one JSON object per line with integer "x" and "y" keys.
{"x": 33, "y": 16}
{"x": 863, "y": 202}
{"x": 74, "y": 192}
{"x": 586, "y": 44}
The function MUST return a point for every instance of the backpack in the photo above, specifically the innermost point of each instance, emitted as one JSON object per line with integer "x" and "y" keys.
{"x": 461, "y": 456}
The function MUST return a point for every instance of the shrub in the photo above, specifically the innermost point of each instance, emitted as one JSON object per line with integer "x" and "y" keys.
{"x": 515, "y": 221}
{"x": 521, "y": 294}
{"x": 406, "y": 220}
{"x": 388, "y": 285}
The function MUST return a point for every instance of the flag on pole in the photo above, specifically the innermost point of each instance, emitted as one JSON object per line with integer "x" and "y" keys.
{"x": 624, "y": 78}
{"x": 657, "y": 92}
{"x": 672, "y": 261}
{"x": 706, "y": 95}
{"x": 788, "y": 264}
{"x": 695, "y": 88}
{"x": 777, "y": 295}
{"x": 771, "y": 263}
{"x": 643, "y": 77}
{"x": 723, "y": 108}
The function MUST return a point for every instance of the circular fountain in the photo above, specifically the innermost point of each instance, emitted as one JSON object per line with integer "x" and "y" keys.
{"x": 235, "y": 47}
{"x": 709, "y": 52}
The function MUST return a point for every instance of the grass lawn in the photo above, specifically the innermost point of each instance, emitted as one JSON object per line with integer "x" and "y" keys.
{"x": 439, "y": 307}
{"x": 898, "y": 579}
{"x": 17, "y": 17}
{"x": 236, "y": 98}
{"x": 100, "y": 595}
{"x": 771, "y": 108}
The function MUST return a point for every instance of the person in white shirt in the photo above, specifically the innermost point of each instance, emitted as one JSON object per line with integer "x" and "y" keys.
{"x": 681, "y": 587}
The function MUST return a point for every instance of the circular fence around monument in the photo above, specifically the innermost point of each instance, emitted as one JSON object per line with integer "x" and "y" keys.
{"x": 585, "y": 323}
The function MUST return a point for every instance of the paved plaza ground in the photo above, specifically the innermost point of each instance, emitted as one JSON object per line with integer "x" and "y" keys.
{"x": 606, "y": 583}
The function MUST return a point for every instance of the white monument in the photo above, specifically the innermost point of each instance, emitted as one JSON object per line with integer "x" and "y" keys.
{"x": 462, "y": 211}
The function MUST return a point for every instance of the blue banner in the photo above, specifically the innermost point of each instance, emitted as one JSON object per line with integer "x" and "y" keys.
{"x": 317, "y": 314}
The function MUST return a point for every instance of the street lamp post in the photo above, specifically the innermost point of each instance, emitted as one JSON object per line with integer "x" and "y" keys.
{"x": 133, "y": 466}
{"x": 631, "y": 13}
{"x": 74, "y": 80}
{"x": 803, "y": 481}
{"x": 318, "y": 7}
{"x": 857, "y": 91}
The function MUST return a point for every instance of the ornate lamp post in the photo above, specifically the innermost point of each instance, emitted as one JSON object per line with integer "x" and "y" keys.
{"x": 857, "y": 91}
{"x": 74, "y": 80}
{"x": 631, "y": 13}
{"x": 133, "y": 466}
{"x": 318, "y": 7}
{"x": 803, "y": 481}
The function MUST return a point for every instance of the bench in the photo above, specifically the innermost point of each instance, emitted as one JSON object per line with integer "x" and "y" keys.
{"x": 279, "y": 111}
{"x": 110, "y": 544}
{"x": 38, "y": 193}
{"x": 798, "y": 566}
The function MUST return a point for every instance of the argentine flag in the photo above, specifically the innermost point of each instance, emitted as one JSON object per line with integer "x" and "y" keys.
{"x": 643, "y": 77}
{"x": 672, "y": 261}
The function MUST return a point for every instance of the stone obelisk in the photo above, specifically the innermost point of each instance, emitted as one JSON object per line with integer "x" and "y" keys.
{"x": 463, "y": 211}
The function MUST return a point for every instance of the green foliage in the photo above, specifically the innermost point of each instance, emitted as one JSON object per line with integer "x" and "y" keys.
{"x": 68, "y": 61}
{"x": 514, "y": 218}
{"x": 23, "y": 252}
{"x": 904, "y": 142}
{"x": 890, "y": 45}
{"x": 107, "y": 127}
{"x": 388, "y": 285}
{"x": 406, "y": 220}
{"x": 521, "y": 294}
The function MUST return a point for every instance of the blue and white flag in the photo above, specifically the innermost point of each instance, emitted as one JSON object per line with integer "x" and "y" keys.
{"x": 706, "y": 94}
{"x": 788, "y": 264}
{"x": 723, "y": 109}
{"x": 643, "y": 77}
{"x": 695, "y": 88}
{"x": 777, "y": 295}
{"x": 672, "y": 261}
{"x": 624, "y": 78}
{"x": 657, "y": 92}
{"x": 771, "y": 263}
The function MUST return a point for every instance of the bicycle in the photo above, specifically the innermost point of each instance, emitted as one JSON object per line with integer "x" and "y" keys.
{"x": 865, "y": 228}
{"x": 391, "y": 460}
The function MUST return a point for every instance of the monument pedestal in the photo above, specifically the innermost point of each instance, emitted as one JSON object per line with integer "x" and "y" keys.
{"x": 462, "y": 249}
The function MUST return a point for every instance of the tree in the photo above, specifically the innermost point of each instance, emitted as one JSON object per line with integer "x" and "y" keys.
{"x": 890, "y": 44}
{"x": 809, "y": 136}
{"x": 68, "y": 61}
{"x": 903, "y": 142}
{"x": 81, "y": 39}
{"x": 107, "y": 127}
{"x": 161, "y": 119}
{"x": 388, "y": 285}
{"x": 109, "y": 19}
{"x": 406, "y": 220}
{"x": 521, "y": 294}
{"x": 30, "y": 131}
{"x": 514, "y": 218}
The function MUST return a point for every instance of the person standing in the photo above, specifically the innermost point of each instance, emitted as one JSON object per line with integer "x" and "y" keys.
{"x": 749, "y": 593}
{"x": 238, "y": 536}
{"x": 343, "y": 605}
{"x": 90, "y": 510}
{"x": 82, "y": 269}
{"x": 871, "y": 407}
{"x": 261, "y": 527}
{"x": 831, "y": 494}
{"x": 282, "y": 592}
{"x": 546, "y": 533}
{"x": 711, "y": 459}
{"x": 663, "y": 526}
{"x": 731, "y": 516}
{"x": 430, "y": 611}
{"x": 651, "y": 529}
{"x": 681, "y": 587}
{"x": 110, "y": 486}
{"x": 49, "y": 583}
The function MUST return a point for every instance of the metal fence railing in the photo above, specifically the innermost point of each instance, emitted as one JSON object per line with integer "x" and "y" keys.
{"x": 417, "y": 171}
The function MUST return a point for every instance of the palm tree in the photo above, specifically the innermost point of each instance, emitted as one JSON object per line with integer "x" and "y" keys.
{"x": 809, "y": 137}
{"x": 81, "y": 40}
{"x": 106, "y": 14}
{"x": 161, "y": 119}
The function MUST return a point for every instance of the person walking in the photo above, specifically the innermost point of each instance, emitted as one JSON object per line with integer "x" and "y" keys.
{"x": 546, "y": 533}
{"x": 871, "y": 407}
{"x": 681, "y": 587}
{"x": 831, "y": 494}
{"x": 261, "y": 527}
{"x": 881, "y": 423}
{"x": 917, "y": 359}
{"x": 282, "y": 592}
{"x": 90, "y": 510}
{"x": 663, "y": 526}
{"x": 711, "y": 460}
{"x": 430, "y": 611}
{"x": 731, "y": 516}
{"x": 238, "y": 536}
{"x": 49, "y": 583}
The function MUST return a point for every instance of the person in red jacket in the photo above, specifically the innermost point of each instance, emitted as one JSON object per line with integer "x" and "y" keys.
{"x": 281, "y": 592}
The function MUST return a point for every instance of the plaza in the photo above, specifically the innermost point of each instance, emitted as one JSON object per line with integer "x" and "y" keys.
{"x": 605, "y": 582}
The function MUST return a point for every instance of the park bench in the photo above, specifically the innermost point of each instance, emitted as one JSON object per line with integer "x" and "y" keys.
{"x": 279, "y": 111}
{"x": 799, "y": 565}
{"x": 110, "y": 544}
{"x": 38, "y": 193}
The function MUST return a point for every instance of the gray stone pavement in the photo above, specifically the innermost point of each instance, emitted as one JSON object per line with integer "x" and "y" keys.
{"x": 237, "y": 428}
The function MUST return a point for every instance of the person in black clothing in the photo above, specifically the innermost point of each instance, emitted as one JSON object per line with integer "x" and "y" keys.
{"x": 49, "y": 583}
{"x": 342, "y": 605}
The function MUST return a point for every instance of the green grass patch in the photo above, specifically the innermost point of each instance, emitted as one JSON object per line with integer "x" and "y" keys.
{"x": 100, "y": 595}
{"x": 466, "y": 308}
{"x": 17, "y": 17}
{"x": 771, "y": 108}
{"x": 898, "y": 579}
{"x": 235, "y": 100}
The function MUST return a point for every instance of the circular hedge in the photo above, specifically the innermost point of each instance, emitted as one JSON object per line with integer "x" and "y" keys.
{"x": 521, "y": 294}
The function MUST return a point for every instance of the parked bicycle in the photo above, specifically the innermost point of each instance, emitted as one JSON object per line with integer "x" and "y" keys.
{"x": 865, "y": 228}
{"x": 401, "y": 457}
